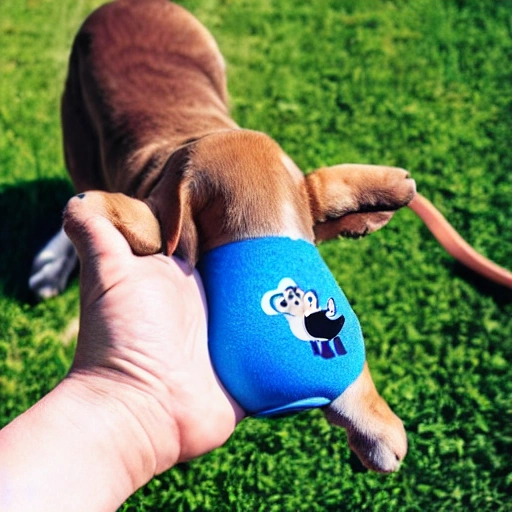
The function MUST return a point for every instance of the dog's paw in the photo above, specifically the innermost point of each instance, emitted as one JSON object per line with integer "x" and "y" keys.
{"x": 353, "y": 200}
{"x": 390, "y": 188}
{"x": 382, "y": 453}
{"x": 375, "y": 433}
{"x": 52, "y": 267}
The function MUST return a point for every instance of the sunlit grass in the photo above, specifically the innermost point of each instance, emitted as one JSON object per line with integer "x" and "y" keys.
{"x": 423, "y": 84}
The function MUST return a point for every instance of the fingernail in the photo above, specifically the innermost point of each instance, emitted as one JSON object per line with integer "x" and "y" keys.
{"x": 81, "y": 196}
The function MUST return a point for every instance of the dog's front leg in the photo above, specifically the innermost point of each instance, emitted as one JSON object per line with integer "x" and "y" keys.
{"x": 354, "y": 200}
{"x": 374, "y": 431}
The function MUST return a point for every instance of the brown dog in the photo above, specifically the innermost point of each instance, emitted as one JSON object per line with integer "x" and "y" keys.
{"x": 146, "y": 127}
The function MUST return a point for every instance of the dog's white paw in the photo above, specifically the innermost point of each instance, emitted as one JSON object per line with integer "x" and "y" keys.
{"x": 383, "y": 454}
{"x": 52, "y": 267}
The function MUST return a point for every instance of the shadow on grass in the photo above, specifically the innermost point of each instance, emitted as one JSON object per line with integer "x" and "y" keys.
{"x": 485, "y": 287}
{"x": 501, "y": 294}
{"x": 31, "y": 214}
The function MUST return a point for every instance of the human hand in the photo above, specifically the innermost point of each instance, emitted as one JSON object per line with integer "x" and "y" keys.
{"x": 143, "y": 343}
{"x": 141, "y": 394}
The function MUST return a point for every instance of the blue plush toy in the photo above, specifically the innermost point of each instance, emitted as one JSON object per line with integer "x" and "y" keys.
{"x": 282, "y": 334}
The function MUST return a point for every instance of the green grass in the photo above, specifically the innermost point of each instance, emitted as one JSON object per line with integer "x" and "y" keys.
{"x": 423, "y": 84}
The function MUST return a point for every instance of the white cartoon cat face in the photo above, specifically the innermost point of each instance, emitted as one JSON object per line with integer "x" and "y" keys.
{"x": 289, "y": 302}
{"x": 307, "y": 320}
{"x": 287, "y": 299}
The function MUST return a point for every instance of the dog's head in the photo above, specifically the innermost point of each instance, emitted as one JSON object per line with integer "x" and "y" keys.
{"x": 240, "y": 184}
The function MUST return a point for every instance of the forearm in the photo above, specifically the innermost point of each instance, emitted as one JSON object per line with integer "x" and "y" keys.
{"x": 76, "y": 449}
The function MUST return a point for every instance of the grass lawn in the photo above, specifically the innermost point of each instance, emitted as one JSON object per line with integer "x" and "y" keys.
{"x": 421, "y": 84}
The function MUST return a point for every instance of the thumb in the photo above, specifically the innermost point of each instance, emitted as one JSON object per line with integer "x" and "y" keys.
{"x": 95, "y": 238}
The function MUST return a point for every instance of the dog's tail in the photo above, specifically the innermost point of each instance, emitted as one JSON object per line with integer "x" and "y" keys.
{"x": 456, "y": 245}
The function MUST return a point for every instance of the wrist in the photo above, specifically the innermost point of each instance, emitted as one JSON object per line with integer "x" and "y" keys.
{"x": 126, "y": 423}
{"x": 81, "y": 448}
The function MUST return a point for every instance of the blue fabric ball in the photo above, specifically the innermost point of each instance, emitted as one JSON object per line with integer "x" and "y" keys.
{"x": 281, "y": 333}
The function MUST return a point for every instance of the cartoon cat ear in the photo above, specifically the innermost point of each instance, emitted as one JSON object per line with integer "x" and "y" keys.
{"x": 331, "y": 308}
{"x": 285, "y": 283}
{"x": 267, "y": 302}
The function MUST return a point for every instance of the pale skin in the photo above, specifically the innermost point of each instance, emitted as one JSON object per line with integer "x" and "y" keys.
{"x": 141, "y": 395}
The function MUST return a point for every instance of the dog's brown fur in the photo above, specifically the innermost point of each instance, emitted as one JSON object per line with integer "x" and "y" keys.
{"x": 147, "y": 128}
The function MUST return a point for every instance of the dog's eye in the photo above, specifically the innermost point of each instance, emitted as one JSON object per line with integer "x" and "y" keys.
{"x": 297, "y": 302}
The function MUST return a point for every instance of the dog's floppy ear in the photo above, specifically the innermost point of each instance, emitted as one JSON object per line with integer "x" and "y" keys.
{"x": 171, "y": 203}
{"x": 353, "y": 200}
